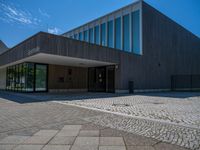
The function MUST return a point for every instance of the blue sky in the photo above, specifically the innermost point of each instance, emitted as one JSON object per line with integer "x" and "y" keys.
{"x": 20, "y": 19}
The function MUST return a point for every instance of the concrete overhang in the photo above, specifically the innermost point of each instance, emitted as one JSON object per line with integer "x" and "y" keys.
{"x": 53, "y": 49}
{"x": 60, "y": 60}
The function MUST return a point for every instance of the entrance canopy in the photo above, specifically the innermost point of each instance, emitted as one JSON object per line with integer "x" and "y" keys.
{"x": 52, "y": 49}
{"x": 60, "y": 60}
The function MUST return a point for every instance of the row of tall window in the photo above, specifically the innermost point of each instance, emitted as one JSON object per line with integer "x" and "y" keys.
{"x": 27, "y": 77}
{"x": 121, "y": 33}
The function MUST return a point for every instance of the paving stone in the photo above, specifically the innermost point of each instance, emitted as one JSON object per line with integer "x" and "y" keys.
{"x": 89, "y": 133}
{"x": 56, "y": 147}
{"x": 68, "y": 133}
{"x": 165, "y": 146}
{"x": 140, "y": 148}
{"x": 139, "y": 140}
{"x": 112, "y": 148}
{"x": 83, "y": 147}
{"x": 92, "y": 127}
{"x": 87, "y": 141}
{"x": 62, "y": 140}
{"x": 29, "y": 147}
{"x": 46, "y": 133}
{"x": 7, "y": 147}
{"x": 38, "y": 140}
{"x": 14, "y": 139}
{"x": 72, "y": 127}
{"x": 111, "y": 141}
{"x": 108, "y": 132}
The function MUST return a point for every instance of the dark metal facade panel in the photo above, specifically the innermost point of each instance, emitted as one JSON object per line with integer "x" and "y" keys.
{"x": 168, "y": 49}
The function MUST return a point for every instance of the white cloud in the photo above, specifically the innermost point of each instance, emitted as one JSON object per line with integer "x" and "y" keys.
{"x": 54, "y": 30}
{"x": 12, "y": 14}
{"x": 43, "y": 13}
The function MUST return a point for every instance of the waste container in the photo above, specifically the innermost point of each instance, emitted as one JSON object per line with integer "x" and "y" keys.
{"x": 131, "y": 86}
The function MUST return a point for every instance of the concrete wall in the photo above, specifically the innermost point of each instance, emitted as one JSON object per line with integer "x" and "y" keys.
{"x": 65, "y": 78}
{"x": 3, "y": 79}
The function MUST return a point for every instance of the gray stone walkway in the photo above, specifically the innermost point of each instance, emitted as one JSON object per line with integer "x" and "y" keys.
{"x": 81, "y": 137}
{"x": 49, "y": 125}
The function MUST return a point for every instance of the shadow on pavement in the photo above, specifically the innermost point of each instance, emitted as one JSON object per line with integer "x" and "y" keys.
{"x": 70, "y": 96}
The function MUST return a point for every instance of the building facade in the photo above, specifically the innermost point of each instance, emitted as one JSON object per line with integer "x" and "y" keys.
{"x": 135, "y": 48}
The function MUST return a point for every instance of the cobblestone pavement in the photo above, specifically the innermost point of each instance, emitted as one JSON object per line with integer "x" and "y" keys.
{"x": 166, "y": 116}
{"x": 180, "y": 111}
{"x": 27, "y": 125}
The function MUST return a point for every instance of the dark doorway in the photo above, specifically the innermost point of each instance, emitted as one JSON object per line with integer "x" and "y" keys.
{"x": 111, "y": 79}
{"x": 101, "y": 79}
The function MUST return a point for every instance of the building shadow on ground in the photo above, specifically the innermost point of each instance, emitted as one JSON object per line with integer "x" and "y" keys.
{"x": 70, "y": 96}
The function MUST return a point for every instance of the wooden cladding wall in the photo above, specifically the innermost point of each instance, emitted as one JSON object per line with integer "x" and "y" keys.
{"x": 24, "y": 49}
{"x": 64, "y": 77}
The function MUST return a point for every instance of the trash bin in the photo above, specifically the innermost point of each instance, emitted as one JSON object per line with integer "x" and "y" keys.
{"x": 131, "y": 86}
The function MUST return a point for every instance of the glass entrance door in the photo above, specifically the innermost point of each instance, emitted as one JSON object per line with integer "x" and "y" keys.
{"x": 101, "y": 79}
{"x": 40, "y": 78}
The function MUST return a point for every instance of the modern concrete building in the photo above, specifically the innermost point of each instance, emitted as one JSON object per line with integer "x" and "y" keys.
{"x": 135, "y": 47}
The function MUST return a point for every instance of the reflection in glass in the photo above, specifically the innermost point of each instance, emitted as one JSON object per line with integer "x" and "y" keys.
{"x": 110, "y": 34}
{"x": 136, "y": 32}
{"x": 118, "y": 33}
{"x": 80, "y": 36}
{"x": 40, "y": 77}
{"x": 22, "y": 77}
{"x": 91, "y": 35}
{"x": 97, "y": 35}
{"x": 126, "y": 31}
{"x": 103, "y": 34}
{"x": 86, "y": 36}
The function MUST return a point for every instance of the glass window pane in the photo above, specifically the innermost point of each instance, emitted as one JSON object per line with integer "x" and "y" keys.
{"x": 23, "y": 77}
{"x": 17, "y": 83}
{"x": 103, "y": 34}
{"x": 126, "y": 31}
{"x": 118, "y": 33}
{"x": 29, "y": 68}
{"x": 86, "y": 36}
{"x": 80, "y": 36}
{"x": 41, "y": 77}
{"x": 12, "y": 77}
{"x": 136, "y": 32}
{"x": 76, "y": 36}
{"x": 97, "y": 35}
{"x": 110, "y": 34}
{"x": 91, "y": 37}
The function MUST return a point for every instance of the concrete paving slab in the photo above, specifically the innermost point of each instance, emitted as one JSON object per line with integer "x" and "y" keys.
{"x": 68, "y": 133}
{"x": 112, "y": 148}
{"x": 139, "y": 140}
{"x": 111, "y": 141}
{"x": 56, "y": 147}
{"x": 15, "y": 139}
{"x": 87, "y": 141}
{"x": 89, "y": 133}
{"x": 7, "y": 147}
{"x": 165, "y": 146}
{"x": 62, "y": 140}
{"x": 46, "y": 133}
{"x": 38, "y": 140}
{"x": 83, "y": 147}
{"x": 140, "y": 148}
{"x": 72, "y": 127}
{"x": 29, "y": 147}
